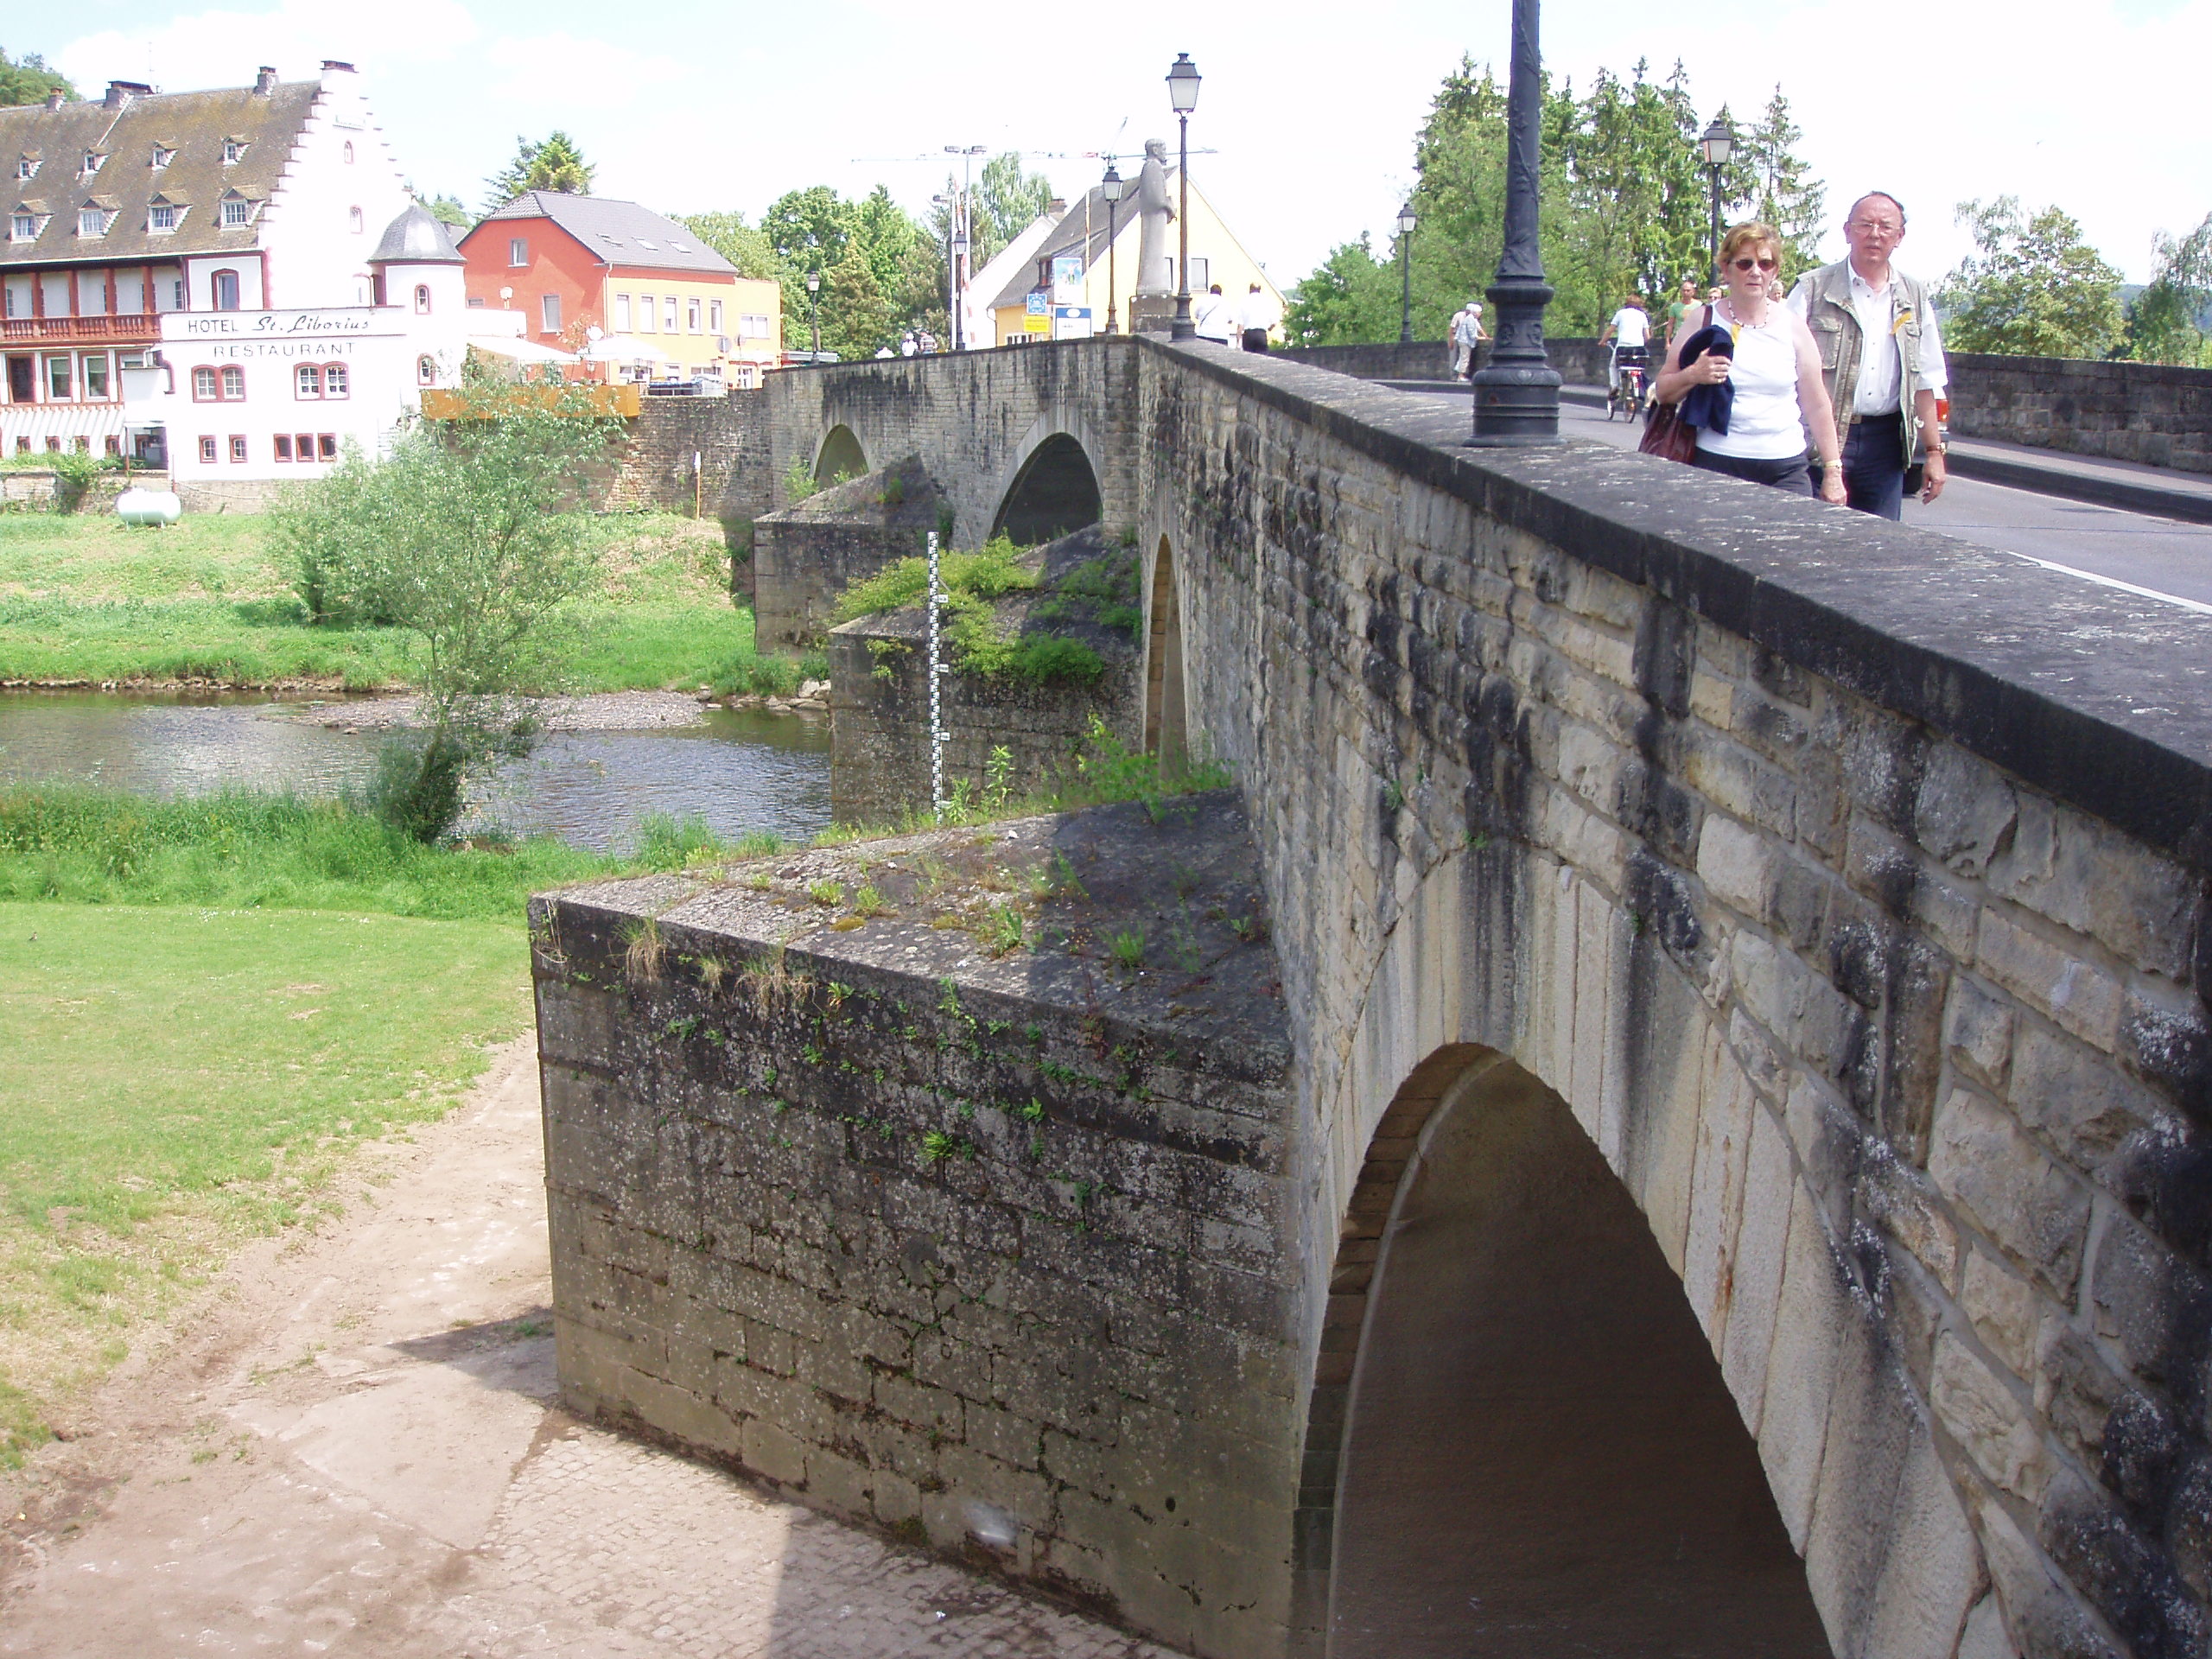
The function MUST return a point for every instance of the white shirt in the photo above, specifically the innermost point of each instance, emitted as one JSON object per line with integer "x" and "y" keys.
{"x": 1881, "y": 367}
{"x": 1212, "y": 316}
{"x": 1466, "y": 325}
{"x": 1631, "y": 325}
{"x": 1764, "y": 423}
{"x": 1259, "y": 311}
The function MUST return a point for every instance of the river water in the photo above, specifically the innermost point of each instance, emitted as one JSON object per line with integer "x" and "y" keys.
{"x": 738, "y": 772}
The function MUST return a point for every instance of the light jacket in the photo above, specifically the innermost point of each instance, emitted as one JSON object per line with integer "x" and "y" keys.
{"x": 1837, "y": 336}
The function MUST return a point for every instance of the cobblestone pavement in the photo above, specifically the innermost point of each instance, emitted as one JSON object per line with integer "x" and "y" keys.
{"x": 353, "y": 1449}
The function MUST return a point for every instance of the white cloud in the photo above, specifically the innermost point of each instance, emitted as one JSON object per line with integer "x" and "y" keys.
{"x": 223, "y": 48}
{"x": 698, "y": 106}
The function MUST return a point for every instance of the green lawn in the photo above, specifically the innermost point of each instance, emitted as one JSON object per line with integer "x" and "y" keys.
{"x": 179, "y": 1079}
{"x": 84, "y": 598}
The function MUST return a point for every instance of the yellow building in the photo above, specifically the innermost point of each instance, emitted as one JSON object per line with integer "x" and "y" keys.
{"x": 1072, "y": 268}
{"x": 637, "y": 295}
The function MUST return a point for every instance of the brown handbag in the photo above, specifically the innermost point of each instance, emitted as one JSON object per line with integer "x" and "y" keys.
{"x": 1667, "y": 436}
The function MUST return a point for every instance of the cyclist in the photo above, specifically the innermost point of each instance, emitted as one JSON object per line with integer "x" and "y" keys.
{"x": 1630, "y": 334}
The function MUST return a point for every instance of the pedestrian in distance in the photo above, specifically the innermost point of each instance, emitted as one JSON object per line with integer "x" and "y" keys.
{"x": 1466, "y": 334}
{"x": 1212, "y": 317}
{"x": 1630, "y": 334}
{"x": 1684, "y": 300}
{"x": 1881, "y": 360}
{"x": 1259, "y": 315}
{"x": 1748, "y": 378}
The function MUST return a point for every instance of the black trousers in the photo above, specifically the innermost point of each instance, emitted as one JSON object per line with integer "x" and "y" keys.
{"x": 1255, "y": 340}
{"x": 1790, "y": 475}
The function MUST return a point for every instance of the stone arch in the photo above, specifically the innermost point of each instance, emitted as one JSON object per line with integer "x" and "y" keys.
{"x": 1054, "y": 491}
{"x": 1165, "y": 730}
{"x": 1538, "y": 1453}
{"x": 1501, "y": 968}
{"x": 840, "y": 457}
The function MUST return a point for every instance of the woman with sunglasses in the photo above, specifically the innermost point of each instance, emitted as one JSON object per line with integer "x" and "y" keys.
{"x": 1778, "y": 390}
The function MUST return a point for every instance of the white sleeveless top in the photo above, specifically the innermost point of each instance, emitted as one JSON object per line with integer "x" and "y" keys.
{"x": 1763, "y": 423}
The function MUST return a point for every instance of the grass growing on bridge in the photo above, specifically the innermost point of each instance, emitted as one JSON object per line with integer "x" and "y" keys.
{"x": 83, "y": 598}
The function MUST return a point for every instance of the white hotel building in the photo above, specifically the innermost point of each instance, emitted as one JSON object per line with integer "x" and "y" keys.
{"x": 234, "y": 283}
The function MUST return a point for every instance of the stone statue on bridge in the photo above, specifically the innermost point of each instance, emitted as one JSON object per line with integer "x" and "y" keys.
{"x": 1156, "y": 212}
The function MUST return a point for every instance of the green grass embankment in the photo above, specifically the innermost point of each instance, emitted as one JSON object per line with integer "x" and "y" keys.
{"x": 85, "y": 598}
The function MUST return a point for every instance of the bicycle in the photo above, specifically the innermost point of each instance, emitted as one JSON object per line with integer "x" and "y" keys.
{"x": 1629, "y": 392}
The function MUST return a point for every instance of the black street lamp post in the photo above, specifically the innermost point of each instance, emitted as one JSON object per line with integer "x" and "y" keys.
{"x": 1183, "y": 93}
{"x": 1111, "y": 187}
{"x": 1516, "y": 393}
{"x": 1406, "y": 223}
{"x": 814, "y": 304}
{"x": 1719, "y": 144}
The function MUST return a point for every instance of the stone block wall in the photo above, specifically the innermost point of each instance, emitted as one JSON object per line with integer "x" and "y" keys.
{"x": 880, "y": 705}
{"x": 2121, "y": 411}
{"x": 806, "y": 556}
{"x": 985, "y": 1251}
{"x": 1870, "y": 950}
{"x": 1579, "y": 361}
{"x": 728, "y": 434}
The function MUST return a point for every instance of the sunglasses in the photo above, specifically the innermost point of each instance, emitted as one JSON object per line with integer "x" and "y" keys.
{"x": 1760, "y": 265}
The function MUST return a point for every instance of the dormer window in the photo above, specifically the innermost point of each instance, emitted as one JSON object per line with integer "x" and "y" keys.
{"x": 349, "y": 152}
{"x": 162, "y": 218}
{"x": 233, "y": 151}
{"x": 22, "y": 227}
{"x": 93, "y": 220}
{"x": 92, "y": 161}
{"x": 163, "y": 155}
{"x": 27, "y": 167}
{"x": 238, "y": 212}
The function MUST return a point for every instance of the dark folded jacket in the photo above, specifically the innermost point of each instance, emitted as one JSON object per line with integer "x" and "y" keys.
{"x": 1708, "y": 406}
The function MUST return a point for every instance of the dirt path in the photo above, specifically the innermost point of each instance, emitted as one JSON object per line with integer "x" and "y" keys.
{"x": 351, "y": 1448}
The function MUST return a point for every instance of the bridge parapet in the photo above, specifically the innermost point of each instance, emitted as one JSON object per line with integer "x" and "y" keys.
{"x": 1847, "y": 885}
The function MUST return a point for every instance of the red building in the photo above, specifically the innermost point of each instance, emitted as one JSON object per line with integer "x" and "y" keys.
{"x": 639, "y": 296}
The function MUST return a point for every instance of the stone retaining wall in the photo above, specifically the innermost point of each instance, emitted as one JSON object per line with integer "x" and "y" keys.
{"x": 985, "y": 1251}
{"x": 806, "y": 556}
{"x": 2121, "y": 411}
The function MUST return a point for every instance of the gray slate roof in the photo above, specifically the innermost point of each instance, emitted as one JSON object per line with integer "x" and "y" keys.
{"x": 194, "y": 124}
{"x": 619, "y": 232}
{"x": 417, "y": 237}
{"x": 1068, "y": 237}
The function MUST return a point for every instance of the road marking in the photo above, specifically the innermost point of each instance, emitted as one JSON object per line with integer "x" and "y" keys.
{"x": 2201, "y": 608}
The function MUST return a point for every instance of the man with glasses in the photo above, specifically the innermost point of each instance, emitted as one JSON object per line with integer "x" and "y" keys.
{"x": 1883, "y": 359}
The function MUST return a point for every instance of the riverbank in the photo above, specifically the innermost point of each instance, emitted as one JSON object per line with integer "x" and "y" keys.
{"x": 86, "y": 602}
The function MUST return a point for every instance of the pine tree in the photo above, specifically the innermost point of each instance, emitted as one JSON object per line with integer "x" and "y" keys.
{"x": 556, "y": 164}
{"x": 1780, "y": 188}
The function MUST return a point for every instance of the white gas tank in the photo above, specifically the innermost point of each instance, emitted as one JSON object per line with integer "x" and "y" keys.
{"x": 137, "y": 506}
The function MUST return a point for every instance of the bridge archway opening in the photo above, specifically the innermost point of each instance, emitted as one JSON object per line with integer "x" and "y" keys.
{"x": 1539, "y": 1455}
{"x": 1055, "y": 492}
{"x": 840, "y": 458}
{"x": 1165, "y": 734}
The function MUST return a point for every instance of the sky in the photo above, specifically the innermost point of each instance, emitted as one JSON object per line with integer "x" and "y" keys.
{"x": 1310, "y": 109}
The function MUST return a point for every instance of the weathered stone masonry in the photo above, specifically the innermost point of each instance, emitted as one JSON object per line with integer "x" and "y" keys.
{"x": 1052, "y": 1337}
{"x": 1670, "y": 792}
{"x": 1849, "y": 884}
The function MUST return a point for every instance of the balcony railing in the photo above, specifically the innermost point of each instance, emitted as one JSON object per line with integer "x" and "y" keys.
{"x": 62, "y": 330}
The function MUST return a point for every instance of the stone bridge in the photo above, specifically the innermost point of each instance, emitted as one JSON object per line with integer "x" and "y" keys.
{"x": 1739, "y": 1185}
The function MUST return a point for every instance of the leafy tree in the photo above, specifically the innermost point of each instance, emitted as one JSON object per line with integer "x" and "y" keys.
{"x": 449, "y": 210}
{"x": 28, "y": 81}
{"x": 555, "y": 164}
{"x": 1783, "y": 191}
{"x": 1626, "y": 203}
{"x": 1352, "y": 297}
{"x": 2032, "y": 288}
{"x": 1007, "y": 201}
{"x": 881, "y": 272}
{"x": 2167, "y": 322}
{"x": 743, "y": 245}
{"x": 465, "y": 536}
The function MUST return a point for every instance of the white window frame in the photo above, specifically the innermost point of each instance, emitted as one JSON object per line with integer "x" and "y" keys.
{"x": 337, "y": 383}
{"x": 233, "y": 151}
{"x": 549, "y": 314}
{"x": 668, "y": 316}
{"x": 93, "y": 222}
{"x": 648, "y": 314}
{"x": 22, "y": 227}
{"x": 517, "y": 252}
{"x": 238, "y": 212}
{"x": 621, "y": 314}
{"x": 155, "y": 210}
